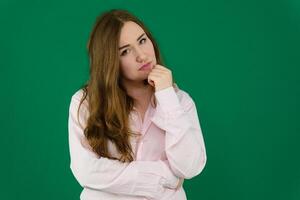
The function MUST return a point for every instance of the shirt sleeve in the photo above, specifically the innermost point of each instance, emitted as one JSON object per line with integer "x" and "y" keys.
{"x": 137, "y": 178}
{"x": 184, "y": 143}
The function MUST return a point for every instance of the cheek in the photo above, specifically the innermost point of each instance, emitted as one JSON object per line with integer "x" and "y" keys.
{"x": 150, "y": 48}
{"x": 125, "y": 63}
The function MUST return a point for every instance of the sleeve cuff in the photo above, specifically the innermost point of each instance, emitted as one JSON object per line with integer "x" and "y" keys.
{"x": 168, "y": 100}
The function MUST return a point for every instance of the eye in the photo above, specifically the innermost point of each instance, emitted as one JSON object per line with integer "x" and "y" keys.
{"x": 124, "y": 52}
{"x": 144, "y": 39}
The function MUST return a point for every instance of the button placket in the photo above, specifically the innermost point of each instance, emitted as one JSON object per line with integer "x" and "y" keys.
{"x": 143, "y": 127}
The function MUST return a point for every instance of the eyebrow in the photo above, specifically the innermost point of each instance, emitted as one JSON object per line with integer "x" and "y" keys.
{"x": 127, "y": 45}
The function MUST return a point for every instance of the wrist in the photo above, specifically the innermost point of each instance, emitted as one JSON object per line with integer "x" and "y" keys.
{"x": 162, "y": 88}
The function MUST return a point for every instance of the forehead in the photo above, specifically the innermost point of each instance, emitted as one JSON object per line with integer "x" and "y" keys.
{"x": 130, "y": 32}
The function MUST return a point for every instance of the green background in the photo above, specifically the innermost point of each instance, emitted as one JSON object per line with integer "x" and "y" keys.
{"x": 239, "y": 61}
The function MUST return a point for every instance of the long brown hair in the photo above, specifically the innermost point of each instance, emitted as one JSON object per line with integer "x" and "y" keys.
{"x": 108, "y": 103}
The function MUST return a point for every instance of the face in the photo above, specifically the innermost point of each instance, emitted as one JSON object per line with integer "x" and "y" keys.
{"x": 135, "y": 50}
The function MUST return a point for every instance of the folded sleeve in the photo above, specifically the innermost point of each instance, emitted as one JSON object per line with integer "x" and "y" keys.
{"x": 184, "y": 143}
{"x": 137, "y": 178}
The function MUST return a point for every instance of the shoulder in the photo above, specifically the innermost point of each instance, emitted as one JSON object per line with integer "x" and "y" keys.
{"x": 76, "y": 99}
{"x": 77, "y": 95}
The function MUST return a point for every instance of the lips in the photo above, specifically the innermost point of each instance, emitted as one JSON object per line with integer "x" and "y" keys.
{"x": 145, "y": 65}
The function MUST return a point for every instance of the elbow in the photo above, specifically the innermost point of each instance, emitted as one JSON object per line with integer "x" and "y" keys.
{"x": 192, "y": 170}
{"x": 198, "y": 161}
{"x": 79, "y": 175}
{"x": 197, "y": 167}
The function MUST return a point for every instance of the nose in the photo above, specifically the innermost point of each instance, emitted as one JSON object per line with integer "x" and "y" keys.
{"x": 140, "y": 55}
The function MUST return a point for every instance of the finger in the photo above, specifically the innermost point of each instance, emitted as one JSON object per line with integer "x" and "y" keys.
{"x": 160, "y": 70}
{"x": 154, "y": 76}
{"x": 180, "y": 183}
{"x": 160, "y": 67}
{"x": 152, "y": 79}
{"x": 156, "y": 73}
{"x": 151, "y": 83}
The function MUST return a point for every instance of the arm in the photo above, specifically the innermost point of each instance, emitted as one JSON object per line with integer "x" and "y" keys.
{"x": 185, "y": 148}
{"x": 137, "y": 178}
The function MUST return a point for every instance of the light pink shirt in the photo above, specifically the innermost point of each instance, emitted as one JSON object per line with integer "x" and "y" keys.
{"x": 171, "y": 146}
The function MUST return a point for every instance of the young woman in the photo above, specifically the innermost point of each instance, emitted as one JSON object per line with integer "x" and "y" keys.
{"x": 133, "y": 134}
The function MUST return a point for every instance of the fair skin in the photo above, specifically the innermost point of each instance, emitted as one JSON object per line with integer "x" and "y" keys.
{"x": 135, "y": 50}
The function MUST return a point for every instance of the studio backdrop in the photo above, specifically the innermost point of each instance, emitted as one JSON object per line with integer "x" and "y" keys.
{"x": 239, "y": 61}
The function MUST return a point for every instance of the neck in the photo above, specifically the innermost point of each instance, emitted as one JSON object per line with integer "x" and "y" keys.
{"x": 139, "y": 91}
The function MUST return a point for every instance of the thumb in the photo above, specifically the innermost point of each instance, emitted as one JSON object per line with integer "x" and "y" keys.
{"x": 180, "y": 182}
{"x": 151, "y": 82}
